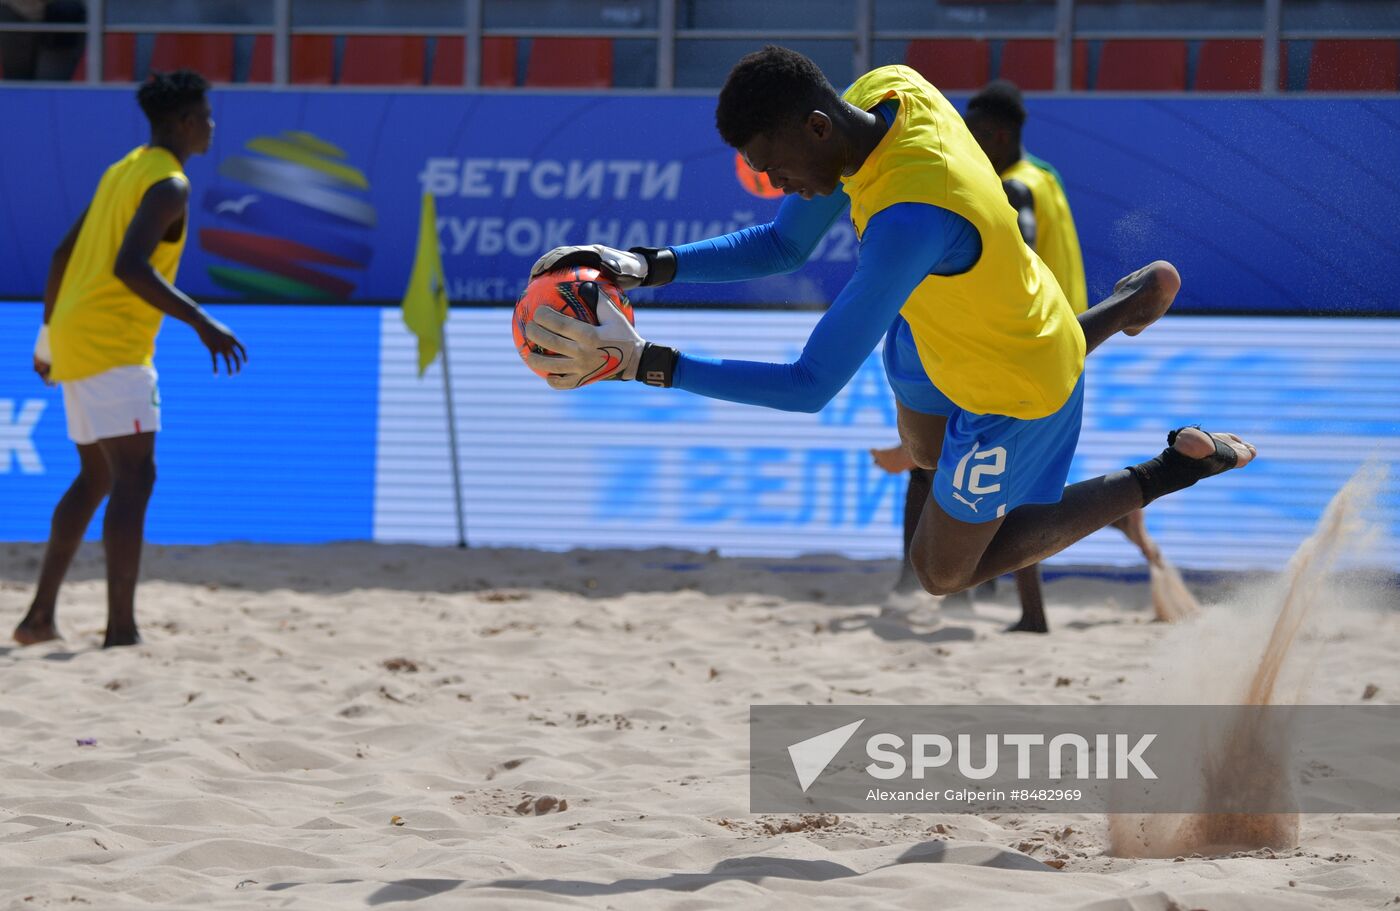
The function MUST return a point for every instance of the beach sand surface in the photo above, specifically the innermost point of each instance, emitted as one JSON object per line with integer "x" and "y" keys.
{"x": 360, "y": 725}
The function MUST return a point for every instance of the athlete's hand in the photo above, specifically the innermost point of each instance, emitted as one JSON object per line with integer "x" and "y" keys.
{"x": 628, "y": 270}
{"x": 585, "y": 353}
{"x": 43, "y": 357}
{"x": 220, "y": 341}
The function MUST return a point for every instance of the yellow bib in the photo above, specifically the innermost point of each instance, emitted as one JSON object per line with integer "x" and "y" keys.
{"x": 1055, "y": 238}
{"x": 97, "y": 322}
{"x": 1000, "y": 338}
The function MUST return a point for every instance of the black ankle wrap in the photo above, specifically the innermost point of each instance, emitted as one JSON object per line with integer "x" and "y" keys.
{"x": 1171, "y": 471}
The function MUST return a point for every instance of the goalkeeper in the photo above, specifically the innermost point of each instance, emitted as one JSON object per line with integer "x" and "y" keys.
{"x": 982, "y": 350}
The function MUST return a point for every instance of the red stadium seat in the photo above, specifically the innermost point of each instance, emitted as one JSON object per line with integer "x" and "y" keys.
{"x": 313, "y": 59}
{"x": 118, "y": 59}
{"x": 497, "y": 63}
{"x": 570, "y": 63}
{"x": 1340, "y": 65}
{"x": 383, "y": 60}
{"x": 210, "y": 55}
{"x": 1142, "y": 66}
{"x": 1229, "y": 66}
{"x": 260, "y": 67}
{"x": 1030, "y": 64}
{"x": 951, "y": 63}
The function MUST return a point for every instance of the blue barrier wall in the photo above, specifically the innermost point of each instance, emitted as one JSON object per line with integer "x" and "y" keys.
{"x": 282, "y": 452}
{"x": 330, "y": 433}
{"x": 1287, "y": 206}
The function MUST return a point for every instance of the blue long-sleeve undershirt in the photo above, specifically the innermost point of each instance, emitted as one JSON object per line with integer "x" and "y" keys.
{"x": 781, "y": 245}
{"x": 901, "y": 246}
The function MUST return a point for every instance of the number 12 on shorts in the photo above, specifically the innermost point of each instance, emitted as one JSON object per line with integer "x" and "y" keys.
{"x": 978, "y": 475}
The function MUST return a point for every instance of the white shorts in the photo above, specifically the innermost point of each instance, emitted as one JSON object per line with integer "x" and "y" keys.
{"x": 120, "y": 402}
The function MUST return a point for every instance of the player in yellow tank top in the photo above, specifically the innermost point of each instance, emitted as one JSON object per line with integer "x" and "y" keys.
{"x": 981, "y": 346}
{"x": 109, "y": 284}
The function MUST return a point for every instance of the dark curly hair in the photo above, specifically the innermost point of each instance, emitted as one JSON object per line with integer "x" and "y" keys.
{"x": 165, "y": 96}
{"x": 767, "y": 90}
{"x": 1001, "y": 101}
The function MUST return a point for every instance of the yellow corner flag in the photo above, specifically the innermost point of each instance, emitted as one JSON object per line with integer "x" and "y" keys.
{"x": 425, "y": 301}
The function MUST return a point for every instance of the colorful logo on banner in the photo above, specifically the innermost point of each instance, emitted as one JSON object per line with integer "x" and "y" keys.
{"x": 755, "y": 182}
{"x": 291, "y": 220}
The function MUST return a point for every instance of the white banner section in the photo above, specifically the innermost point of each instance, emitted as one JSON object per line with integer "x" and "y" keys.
{"x": 623, "y": 465}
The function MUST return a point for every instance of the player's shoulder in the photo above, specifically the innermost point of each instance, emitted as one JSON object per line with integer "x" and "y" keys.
{"x": 170, "y": 190}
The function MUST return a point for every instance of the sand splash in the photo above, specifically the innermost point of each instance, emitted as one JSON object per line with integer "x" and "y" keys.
{"x": 1172, "y": 601}
{"x": 1243, "y": 765}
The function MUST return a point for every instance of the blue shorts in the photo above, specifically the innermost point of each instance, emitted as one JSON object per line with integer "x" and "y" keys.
{"x": 990, "y": 463}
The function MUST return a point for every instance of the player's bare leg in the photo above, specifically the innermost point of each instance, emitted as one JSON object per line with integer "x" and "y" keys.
{"x": 917, "y": 494}
{"x": 70, "y": 521}
{"x": 1134, "y": 528}
{"x": 1138, "y": 300}
{"x": 921, "y": 435}
{"x": 1028, "y": 588}
{"x": 951, "y": 555}
{"x": 133, "y": 465}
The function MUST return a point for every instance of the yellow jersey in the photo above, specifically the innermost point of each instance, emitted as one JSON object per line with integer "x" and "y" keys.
{"x": 97, "y": 322}
{"x": 1056, "y": 240}
{"x": 1000, "y": 338}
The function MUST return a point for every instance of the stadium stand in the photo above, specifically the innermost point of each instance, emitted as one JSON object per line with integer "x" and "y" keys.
{"x": 582, "y": 63}
{"x": 1367, "y": 65}
{"x": 1229, "y": 66}
{"x": 498, "y": 56}
{"x": 953, "y": 63}
{"x": 212, "y": 55}
{"x": 313, "y": 59}
{"x": 383, "y": 60}
{"x": 1153, "y": 65}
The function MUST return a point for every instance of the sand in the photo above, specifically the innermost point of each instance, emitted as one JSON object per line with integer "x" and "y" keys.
{"x": 358, "y": 725}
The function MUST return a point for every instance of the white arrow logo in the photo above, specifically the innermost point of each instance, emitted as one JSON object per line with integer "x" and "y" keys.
{"x": 810, "y": 757}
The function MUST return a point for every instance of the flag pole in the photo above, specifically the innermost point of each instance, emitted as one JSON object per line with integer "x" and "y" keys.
{"x": 452, "y": 441}
{"x": 425, "y": 310}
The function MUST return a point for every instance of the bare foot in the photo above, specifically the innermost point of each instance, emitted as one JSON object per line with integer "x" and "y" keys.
{"x": 30, "y": 633}
{"x": 894, "y": 459}
{"x": 1134, "y": 528}
{"x": 1029, "y": 624}
{"x": 1149, "y": 293}
{"x": 116, "y": 637}
{"x": 1195, "y": 443}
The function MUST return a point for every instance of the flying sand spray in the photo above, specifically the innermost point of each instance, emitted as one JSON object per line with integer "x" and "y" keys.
{"x": 1244, "y": 762}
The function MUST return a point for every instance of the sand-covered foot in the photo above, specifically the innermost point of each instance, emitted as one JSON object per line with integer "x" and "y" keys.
{"x": 1030, "y": 624}
{"x": 31, "y": 633}
{"x": 121, "y": 636}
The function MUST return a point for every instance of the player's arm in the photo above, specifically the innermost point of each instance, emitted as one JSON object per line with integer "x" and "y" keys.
{"x": 901, "y": 246}
{"x": 1019, "y": 195}
{"x": 781, "y": 245}
{"x": 161, "y": 211}
{"x": 58, "y": 264}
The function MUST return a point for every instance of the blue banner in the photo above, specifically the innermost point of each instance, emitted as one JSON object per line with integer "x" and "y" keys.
{"x": 1282, "y": 205}
{"x": 282, "y": 452}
